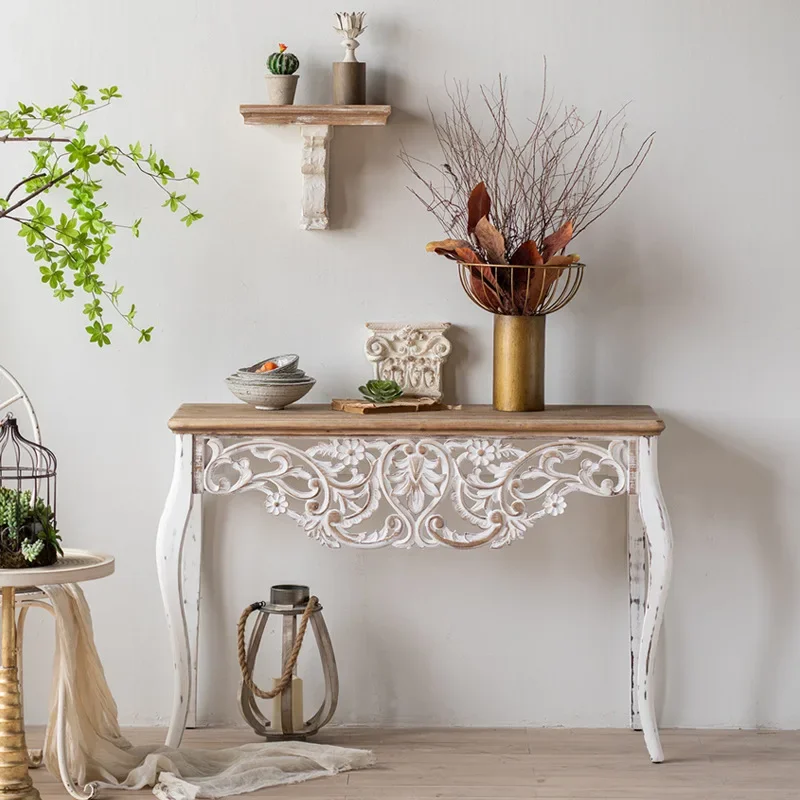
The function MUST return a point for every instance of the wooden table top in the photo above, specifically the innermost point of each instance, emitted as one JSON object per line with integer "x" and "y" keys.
{"x": 302, "y": 419}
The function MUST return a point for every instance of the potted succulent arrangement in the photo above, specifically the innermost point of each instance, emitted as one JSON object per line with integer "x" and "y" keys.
{"x": 28, "y": 533}
{"x": 281, "y": 80}
{"x": 511, "y": 204}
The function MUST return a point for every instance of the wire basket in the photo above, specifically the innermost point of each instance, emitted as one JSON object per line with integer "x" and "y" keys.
{"x": 520, "y": 291}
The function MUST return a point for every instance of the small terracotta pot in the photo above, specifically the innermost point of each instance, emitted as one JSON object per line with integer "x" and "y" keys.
{"x": 281, "y": 89}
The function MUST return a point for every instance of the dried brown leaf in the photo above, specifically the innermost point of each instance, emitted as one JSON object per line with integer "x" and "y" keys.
{"x": 484, "y": 288}
{"x": 556, "y": 241}
{"x": 491, "y": 240}
{"x": 527, "y": 255}
{"x": 527, "y": 293}
{"x": 478, "y": 206}
{"x": 563, "y": 261}
{"x": 467, "y": 255}
{"x": 447, "y": 247}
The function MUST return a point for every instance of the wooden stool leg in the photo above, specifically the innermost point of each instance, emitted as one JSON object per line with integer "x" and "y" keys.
{"x": 34, "y": 756}
{"x": 15, "y": 782}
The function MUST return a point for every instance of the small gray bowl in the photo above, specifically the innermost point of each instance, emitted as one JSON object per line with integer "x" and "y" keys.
{"x": 286, "y": 363}
{"x": 270, "y": 397}
{"x": 258, "y": 378}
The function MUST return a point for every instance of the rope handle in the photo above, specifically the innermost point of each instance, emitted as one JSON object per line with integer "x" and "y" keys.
{"x": 288, "y": 669}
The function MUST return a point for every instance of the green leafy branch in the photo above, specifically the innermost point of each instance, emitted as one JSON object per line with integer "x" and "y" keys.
{"x": 72, "y": 247}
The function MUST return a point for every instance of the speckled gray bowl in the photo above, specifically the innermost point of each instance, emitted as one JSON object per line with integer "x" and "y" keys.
{"x": 269, "y": 377}
{"x": 286, "y": 363}
{"x": 271, "y": 396}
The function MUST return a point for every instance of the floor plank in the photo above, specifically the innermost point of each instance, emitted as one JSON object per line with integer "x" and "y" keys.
{"x": 510, "y": 764}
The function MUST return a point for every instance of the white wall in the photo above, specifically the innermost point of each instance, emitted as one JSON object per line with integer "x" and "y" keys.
{"x": 689, "y": 304}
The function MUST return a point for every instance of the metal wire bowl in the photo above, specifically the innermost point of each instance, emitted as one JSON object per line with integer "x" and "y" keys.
{"x": 520, "y": 291}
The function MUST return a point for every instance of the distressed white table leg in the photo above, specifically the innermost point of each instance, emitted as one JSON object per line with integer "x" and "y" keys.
{"x": 637, "y": 593}
{"x": 659, "y": 569}
{"x": 169, "y": 554}
{"x": 192, "y": 556}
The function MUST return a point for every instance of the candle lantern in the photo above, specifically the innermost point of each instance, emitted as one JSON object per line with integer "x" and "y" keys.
{"x": 297, "y": 609}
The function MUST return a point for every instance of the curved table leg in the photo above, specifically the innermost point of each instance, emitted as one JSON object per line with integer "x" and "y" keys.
{"x": 169, "y": 555}
{"x": 659, "y": 570}
{"x": 90, "y": 789}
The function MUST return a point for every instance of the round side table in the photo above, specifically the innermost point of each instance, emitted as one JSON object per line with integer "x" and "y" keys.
{"x": 21, "y": 586}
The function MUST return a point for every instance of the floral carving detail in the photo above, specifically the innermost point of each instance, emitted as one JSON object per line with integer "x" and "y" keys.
{"x": 416, "y": 476}
{"x": 350, "y": 452}
{"x": 481, "y": 452}
{"x": 554, "y": 504}
{"x": 334, "y": 487}
{"x": 276, "y": 502}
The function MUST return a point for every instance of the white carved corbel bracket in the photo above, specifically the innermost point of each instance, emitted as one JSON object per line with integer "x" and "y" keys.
{"x": 314, "y": 166}
{"x": 316, "y": 131}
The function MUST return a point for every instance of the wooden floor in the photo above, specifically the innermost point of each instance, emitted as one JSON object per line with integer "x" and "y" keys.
{"x": 473, "y": 763}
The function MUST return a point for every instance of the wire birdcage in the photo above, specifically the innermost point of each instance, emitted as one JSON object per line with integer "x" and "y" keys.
{"x": 28, "y": 530}
{"x": 26, "y": 465}
{"x": 522, "y": 291}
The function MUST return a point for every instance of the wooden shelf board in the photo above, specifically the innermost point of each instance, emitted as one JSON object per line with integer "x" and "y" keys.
{"x": 315, "y": 115}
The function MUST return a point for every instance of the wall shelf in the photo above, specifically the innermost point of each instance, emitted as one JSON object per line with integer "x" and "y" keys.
{"x": 316, "y": 131}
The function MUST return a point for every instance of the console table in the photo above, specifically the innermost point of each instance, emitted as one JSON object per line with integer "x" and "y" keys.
{"x": 382, "y": 480}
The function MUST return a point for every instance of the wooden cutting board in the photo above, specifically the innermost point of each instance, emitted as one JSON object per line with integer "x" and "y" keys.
{"x": 401, "y": 405}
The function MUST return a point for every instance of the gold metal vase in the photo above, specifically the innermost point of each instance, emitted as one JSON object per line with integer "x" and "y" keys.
{"x": 520, "y": 297}
{"x": 518, "y": 373}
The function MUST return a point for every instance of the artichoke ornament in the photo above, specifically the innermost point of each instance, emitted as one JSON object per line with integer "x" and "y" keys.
{"x": 381, "y": 391}
{"x": 351, "y": 26}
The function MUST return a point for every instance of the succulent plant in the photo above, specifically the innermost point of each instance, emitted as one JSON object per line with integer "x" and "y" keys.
{"x": 283, "y": 62}
{"x": 28, "y": 536}
{"x": 381, "y": 391}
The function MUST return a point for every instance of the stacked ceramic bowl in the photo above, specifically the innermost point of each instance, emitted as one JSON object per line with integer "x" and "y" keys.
{"x": 271, "y": 384}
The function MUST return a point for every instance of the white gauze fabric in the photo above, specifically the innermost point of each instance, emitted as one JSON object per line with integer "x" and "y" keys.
{"x": 98, "y": 753}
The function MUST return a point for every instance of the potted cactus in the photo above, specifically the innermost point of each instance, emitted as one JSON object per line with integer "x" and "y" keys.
{"x": 281, "y": 80}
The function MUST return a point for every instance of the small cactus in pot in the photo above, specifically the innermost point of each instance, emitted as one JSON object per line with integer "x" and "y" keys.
{"x": 281, "y": 80}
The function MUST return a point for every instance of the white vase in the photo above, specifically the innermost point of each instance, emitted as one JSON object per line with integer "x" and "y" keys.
{"x": 281, "y": 89}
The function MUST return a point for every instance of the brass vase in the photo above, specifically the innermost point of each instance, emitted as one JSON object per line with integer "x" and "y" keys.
{"x": 518, "y": 382}
{"x": 520, "y": 297}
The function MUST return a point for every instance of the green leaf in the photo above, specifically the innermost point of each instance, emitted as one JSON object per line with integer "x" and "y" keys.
{"x": 98, "y": 333}
{"x": 135, "y": 227}
{"x": 109, "y": 93}
{"x": 193, "y": 175}
{"x": 173, "y": 201}
{"x": 191, "y": 217}
{"x": 93, "y": 310}
{"x": 62, "y": 293}
{"x": 145, "y": 334}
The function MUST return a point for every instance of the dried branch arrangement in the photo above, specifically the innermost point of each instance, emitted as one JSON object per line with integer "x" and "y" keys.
{"x": 512, "y": 204}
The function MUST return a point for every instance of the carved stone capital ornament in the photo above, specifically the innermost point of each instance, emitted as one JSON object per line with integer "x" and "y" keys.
{"x": 411, "y": 355}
